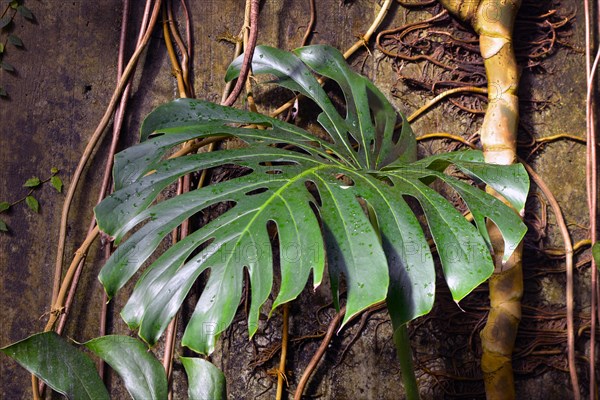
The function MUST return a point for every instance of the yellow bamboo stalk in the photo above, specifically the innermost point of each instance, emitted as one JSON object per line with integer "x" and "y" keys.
{"x": 493, "y": 20}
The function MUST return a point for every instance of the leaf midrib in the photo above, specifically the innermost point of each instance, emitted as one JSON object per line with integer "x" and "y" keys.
{"x": 277, "y": 193}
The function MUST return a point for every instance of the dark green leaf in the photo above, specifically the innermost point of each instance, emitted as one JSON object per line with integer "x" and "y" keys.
{"x": 5, "y": 205}
{"x": 64, "y": 368}
{"x": 3, "y": 226}
{"x": 32, "y": 182}
{"x": 6, "y": 66}
{"x": 32, "y": 203}
{"x": 205, "y": 381}
{"x": 56, "y": 183}
{"x": 4, "y": 21}
{"x": 143, "y": 375}
{"x": 15, "y": 40}
{"x": 14, "y": 4}
{"x": 3, "y": 93}
{"x": 25, "y": 12}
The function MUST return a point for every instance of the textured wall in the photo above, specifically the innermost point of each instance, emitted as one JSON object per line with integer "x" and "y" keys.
{"x": 65, "y": 76}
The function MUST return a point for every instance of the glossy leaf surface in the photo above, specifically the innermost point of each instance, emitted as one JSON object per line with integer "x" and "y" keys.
{"x": 205, "y": 381}
{"x": 143, "y": 375}
{"x": 62, "y": 366}
{"x": 313, "y": 192}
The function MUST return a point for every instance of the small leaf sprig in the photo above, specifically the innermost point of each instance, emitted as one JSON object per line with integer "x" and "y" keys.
{"x": 32, "y": 203}
{"x": 7, "y": 36}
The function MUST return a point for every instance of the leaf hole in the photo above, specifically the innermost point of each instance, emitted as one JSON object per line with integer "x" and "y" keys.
{"x": 397, "y": 131}
{"x": 386, "y": 180}
{"x": 275, "y": 163}
{"x": 256, "y": 191}
{"x": 352, "y": 140}
{"x": 312, "y": 188}
{"x": 274, "y": 171}
{"x": 345, "y": 179}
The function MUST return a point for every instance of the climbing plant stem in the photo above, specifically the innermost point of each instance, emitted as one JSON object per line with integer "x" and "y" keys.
{"x": 564, "y": 231}
{"x": 100, "y": 129}
{"x": 58, "y": 304}
{"x": 591, "y": 183}
{"x": 365, "y": 38}
{"x": 314, "y": 361}
{"x": 430, "y": 103}
{"x": 247, "y": 55}
{"x": 281, "y": 377}
{"x": 176, "y": 67}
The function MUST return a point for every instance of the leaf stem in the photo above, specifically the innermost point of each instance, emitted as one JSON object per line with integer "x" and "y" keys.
{"x": 404, "y": 351}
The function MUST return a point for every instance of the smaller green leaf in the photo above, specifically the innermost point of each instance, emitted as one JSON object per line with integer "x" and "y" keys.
{"x": 54, "y": 170}
{"x": 25, "y": 12}
{"x": 1, "y": 48}
{"x": 5, "y": 21}
{"x": 15, "y": 40}
{"x": 6, "y": 66}
{"x": 14, "y": 4}
{"x": 5, "y": 205}
{"x": 596, "y": 253}
{"x": 32, "y": 203}
{"x": 3, "y": 226}
{"x": 57, "y": 183}
{"x": 142, "y": 373}
{"x": 205, "y": 381}
{"x": 3, "y": 93}
{"x": 33, "y": 182}
{"x": 55, "y": 361}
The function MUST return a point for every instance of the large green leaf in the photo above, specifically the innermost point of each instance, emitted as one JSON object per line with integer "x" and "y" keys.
{"x": 143, "y": 375}
{"x": 301, "y": 198}
{"x": 64, "y": 368}
{"x": 205, "y": 381}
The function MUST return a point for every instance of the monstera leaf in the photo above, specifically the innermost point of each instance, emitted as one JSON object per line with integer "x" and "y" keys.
{"x": 303, "y": 195}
